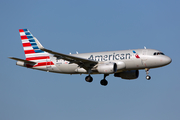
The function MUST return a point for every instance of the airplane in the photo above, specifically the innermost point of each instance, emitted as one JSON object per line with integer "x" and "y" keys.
{"x": 123, "y": 63}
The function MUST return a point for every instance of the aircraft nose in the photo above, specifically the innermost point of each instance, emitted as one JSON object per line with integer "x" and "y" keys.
{"x": 167, "y": 60}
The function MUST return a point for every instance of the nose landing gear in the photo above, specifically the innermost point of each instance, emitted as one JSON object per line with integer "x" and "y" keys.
{"x": 148, "y": 77}
{"x": 147, "y": 72}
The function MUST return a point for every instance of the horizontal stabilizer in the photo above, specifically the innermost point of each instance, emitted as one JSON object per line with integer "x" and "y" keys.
{"x": 26, "y": 61}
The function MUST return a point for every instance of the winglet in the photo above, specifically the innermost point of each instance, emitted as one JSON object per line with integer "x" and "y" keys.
{"x": 38, "y": 43}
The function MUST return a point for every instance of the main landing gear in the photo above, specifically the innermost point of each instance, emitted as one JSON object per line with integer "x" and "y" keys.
{"x": 147, "y": 72}
{"x": 89, "y": 78}
{"x": 103, "y": 82}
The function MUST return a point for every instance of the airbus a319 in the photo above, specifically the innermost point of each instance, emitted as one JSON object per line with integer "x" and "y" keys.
{"x": 123, "y": 63}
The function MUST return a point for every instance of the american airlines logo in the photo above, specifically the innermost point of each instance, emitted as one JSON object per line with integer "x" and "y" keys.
{"x": 113, "y": 56}
{"x": 136, "y": 55}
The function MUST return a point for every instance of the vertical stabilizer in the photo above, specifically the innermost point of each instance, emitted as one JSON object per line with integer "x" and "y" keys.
{"x": 32, "y": 51}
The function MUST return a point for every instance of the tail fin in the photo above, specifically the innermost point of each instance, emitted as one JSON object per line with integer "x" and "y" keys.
{"x": 31, "y": 50}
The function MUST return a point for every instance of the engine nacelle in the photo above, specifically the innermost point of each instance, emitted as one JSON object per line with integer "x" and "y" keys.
{"x": 107, "y": 68}
{"x": 132, "y": 74}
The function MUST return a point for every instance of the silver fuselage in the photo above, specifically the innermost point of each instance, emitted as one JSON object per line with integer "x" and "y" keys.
{"x": 146, "y": 59}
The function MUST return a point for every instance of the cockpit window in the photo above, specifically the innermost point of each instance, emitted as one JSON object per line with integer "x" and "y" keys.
{"x": 159, "y": 53}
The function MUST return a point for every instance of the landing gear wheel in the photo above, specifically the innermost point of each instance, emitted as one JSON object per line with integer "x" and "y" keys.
{"x": 104, "y": 82}
{"x": 148, "y": 77}
{"x": 89, "y": 78}
{"x": 147, "y": 72}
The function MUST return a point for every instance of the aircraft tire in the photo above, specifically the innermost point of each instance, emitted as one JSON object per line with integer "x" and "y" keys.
{"x": 104, "y": 82}
{"x": 89, "y": 78}
{"x": 148, "y": 77}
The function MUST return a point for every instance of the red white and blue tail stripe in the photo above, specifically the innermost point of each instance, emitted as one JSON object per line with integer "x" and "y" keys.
{"x": 32, "y": 51}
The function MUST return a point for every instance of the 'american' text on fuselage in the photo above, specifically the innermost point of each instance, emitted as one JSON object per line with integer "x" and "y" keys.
{"x": 113, "y": 56}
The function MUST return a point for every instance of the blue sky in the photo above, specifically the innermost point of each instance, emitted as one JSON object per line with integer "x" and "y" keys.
{"x": 89, "y": 26}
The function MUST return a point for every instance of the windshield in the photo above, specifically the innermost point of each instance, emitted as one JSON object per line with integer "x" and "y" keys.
{"x": 159, "y": 53}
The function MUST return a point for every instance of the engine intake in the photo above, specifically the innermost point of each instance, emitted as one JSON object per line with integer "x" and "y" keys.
{"x": 107, "y": 68}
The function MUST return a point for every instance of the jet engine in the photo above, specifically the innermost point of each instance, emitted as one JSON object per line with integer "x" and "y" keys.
{"x": 129, "y": 75}
{"x": 107, "y": 68}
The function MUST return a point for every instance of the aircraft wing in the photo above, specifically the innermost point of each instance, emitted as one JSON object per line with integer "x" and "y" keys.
{"x": 71, "y": 58}
{"x": 26, "y": 61}
{"x": 83, "y": 62}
